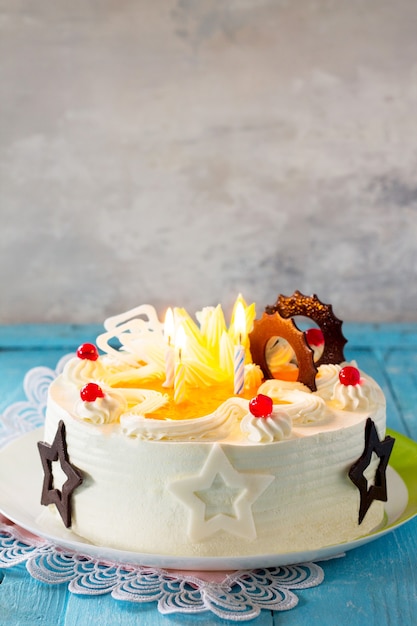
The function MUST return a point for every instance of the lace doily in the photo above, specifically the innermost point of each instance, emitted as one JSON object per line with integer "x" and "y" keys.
{"x": 237, "y": 596}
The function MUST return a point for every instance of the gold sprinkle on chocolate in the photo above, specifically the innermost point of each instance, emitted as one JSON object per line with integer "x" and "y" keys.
{"x": 320, "y": 313}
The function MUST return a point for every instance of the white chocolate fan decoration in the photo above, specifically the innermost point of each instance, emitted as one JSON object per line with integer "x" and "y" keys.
{"x": 140, "y": 334}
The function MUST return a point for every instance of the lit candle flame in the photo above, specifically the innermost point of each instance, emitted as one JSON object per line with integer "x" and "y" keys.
{"x": 180, "y": 390}
{"x": 169, "y": 332}
{"x": 169, "y": 326}
{"x": 240, "y": 322}
{"x": 180, "y": 341}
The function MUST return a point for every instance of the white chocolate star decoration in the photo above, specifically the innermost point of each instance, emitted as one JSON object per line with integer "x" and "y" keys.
{"x": 228, "y": 509}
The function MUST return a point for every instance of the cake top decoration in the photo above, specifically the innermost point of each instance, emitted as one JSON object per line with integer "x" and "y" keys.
{"x": 88, "y": 351}
{"x": 180, "y": 356}
{"x": 314, "y": 337}
{"x": 349, "y": 375}
{"x": 261, "y": 405}
{"x": 90, "y": 392}
{"x": 322, "y": 314}
{"x": 274, "y": 325}
{"x": 177, "y": 359}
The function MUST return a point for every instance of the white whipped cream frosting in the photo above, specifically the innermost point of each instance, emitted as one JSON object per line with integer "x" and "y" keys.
{"x": 294, "y": 406}
{"x": 359, "y": 397}
{"x": 327, "y": 377}
{"x": 296, "y": 401}
{"x": 219, "y": 425}
{"x": 106, "y": 410}
{"x": 274, "y": 427}
{"x": 253, "y": 376}
{"x": 82, "y": 371}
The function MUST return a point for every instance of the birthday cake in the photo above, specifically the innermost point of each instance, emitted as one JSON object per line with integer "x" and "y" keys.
{"x": 198, "y": 438}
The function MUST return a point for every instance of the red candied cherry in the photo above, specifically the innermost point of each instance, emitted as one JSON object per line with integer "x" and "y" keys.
{"x": 261, "y": 405}
{"x": 88, "y": 351}
{"x": 349, "y": 375}
{"x": 314, "y": 337}
{"x": 90, "y": 392}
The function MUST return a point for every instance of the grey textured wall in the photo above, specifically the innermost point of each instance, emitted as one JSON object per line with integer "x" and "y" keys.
{"x": 178, "y": 152}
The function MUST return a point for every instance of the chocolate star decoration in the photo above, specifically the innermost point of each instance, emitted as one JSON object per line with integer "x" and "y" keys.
{"x": 57, "y": 451}
{"x": 377, "y": 491}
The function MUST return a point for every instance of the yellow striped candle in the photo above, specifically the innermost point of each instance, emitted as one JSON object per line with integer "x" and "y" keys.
{"x": 179, "y": 386}
{"x": 169, "y": 330}
{"x": 180, "y": 391}
{"x": 239, "y": 369}
{"x": 169, "y": 367}
{"x": 239, "y": 354}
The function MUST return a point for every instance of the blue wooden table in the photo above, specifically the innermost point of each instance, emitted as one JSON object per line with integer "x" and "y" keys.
{"x": 374, "y": 585}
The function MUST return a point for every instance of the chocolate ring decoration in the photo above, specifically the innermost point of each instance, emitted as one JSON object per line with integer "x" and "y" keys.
{"x": 274, "y": 325}
{"x": 322, "y": 314}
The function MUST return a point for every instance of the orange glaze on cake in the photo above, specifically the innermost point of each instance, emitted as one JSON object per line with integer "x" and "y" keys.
{"x": 198, "y": 403}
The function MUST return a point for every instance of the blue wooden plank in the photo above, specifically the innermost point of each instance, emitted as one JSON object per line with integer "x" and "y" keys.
{"x": 381, "y": 335}
{"x": 401, "y": 372}
{"x": 26, "y": 602}
{"x": 44, "y": 336}
{"x": 370, "y": 585}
